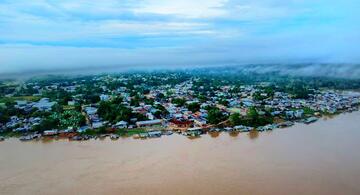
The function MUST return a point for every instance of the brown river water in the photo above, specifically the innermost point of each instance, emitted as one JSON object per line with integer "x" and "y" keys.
{"x": 320, "y": 158}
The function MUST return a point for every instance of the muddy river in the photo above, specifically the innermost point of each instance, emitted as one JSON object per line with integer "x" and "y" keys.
{"x": 320, "y": 158}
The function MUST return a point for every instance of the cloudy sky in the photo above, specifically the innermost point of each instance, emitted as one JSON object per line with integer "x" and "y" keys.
{"x": 51, "y": 34}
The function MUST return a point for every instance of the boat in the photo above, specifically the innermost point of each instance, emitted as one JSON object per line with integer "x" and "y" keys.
{"x": 310, "y": 120}
{"x": 36, "y": 136}
{"x": 167, "y": 132}
{"x": 228, "y": 129}
{"x": 242, "y": 128}
{"x": 26, "y": 138}
{"x": 286, "y": 124}
{"x": 114, "y": 136}
{"x": 86, "y": 137}
{"x": 193, "y": 132}
{"x": 270, "y": 127}
{"x": 214, "y": 130}
{"x": 143, "y": 135}
{"x": 261, "y": 128}
{"x": 154, "y": 134}
{"x": 103, "y": 136}
{"x": 77, "y": 138}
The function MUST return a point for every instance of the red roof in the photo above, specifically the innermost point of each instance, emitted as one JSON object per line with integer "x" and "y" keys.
{"x": 176, "y": 122}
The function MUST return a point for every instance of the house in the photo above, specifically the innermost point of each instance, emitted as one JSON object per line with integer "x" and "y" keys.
{"x": 50, "y": 132}
{"x": 149, "y": 123}
{"x": 90, "y": 110}
{"x": 299, "y": 113}
{"x": 179, "y": 124}
{"x": 200, "y": 122}
{"x": 121, "y": 124}
{"x": 83, "y": 129}
{"x": 97, "y": 125}
{"x": 294, "y": 114}
{"x": 150, "y": 116}
{"x": 247, "y": 102}
{"x": 289, "y": 114}
{"x": 44, "y": 104}
{"x": 21, "y": 103}
{"x": 104, "y": 97}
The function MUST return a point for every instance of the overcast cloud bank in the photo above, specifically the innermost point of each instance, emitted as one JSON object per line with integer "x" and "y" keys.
{"x": 48, "y": 35}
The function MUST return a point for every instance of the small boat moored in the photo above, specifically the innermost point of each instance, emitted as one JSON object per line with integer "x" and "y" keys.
{"x": 167, "y": 132}
{"x": 26, "y": 138}
{"x": 143, "y": 135}
{"x": 154, "y": 134}
{"x": 286, "y": 124}
{"x": 77, "y": 138}
{"x": 193, "y": 132}
{"x": 242, "y": 128}
{"x": 114, "y": 136}
{"x": 30, "y": 137}
{"x": 310, "y": 120}
{"x": 228, "y": 129}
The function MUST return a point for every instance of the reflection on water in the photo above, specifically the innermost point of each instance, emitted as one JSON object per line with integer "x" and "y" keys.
{"x": 214, "y": 134}
{"x": 320, "y": 158}
{"x": 234, "y": 133}
{"x": 253, "y": 134}
{"x": 46, "y": 140}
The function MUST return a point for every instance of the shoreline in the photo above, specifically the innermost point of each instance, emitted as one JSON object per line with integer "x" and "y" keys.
{"x": 214, "y": 132}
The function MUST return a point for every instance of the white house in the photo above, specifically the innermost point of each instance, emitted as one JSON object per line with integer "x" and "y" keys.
{"x": 104, "y": 97}
{"x": 121, "y": 124}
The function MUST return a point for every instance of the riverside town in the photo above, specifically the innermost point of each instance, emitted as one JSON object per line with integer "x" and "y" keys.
{"x": 159, "y": 103}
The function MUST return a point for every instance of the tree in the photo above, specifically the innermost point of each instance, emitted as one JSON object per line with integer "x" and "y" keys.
{"x": 215, "y": 116}
{"x": 149, "y": 101}
{"x": 160, "y": 96}
{"x": 224, "y": 102}
{"x": 194, "y": 107}
{"x": 77, "y": 107}
{"x": 4, "y": 117}
{"x": 235, "y": 119}
{"x": 70, "y": 118}
{"x": 252, "y": 113}
{"x": 92, "y": 98}
{"x": 257, "y": 96}
{"x": 178, "y": 101}
{"x": 252, "y": 119}
{"x": 114, "y": 112}
{"x": 57, "y": 108}
{"x": 146, "y": 91}
{"x": 47, "y": 124}
{"x": 135, "y": 101}
{"x": 162, "y": 110}
{"x": 117, "y": 100}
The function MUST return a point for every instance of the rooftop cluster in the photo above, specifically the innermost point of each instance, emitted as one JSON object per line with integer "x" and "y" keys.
{"x": 153, "y": 104}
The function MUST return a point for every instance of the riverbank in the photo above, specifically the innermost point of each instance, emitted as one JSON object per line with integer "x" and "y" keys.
{"x": 142, "y": 133}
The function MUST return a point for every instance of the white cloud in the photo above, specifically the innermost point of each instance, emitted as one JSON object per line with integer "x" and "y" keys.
{"x": 117, "y": 27}
{"x": 184, "y": 8}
